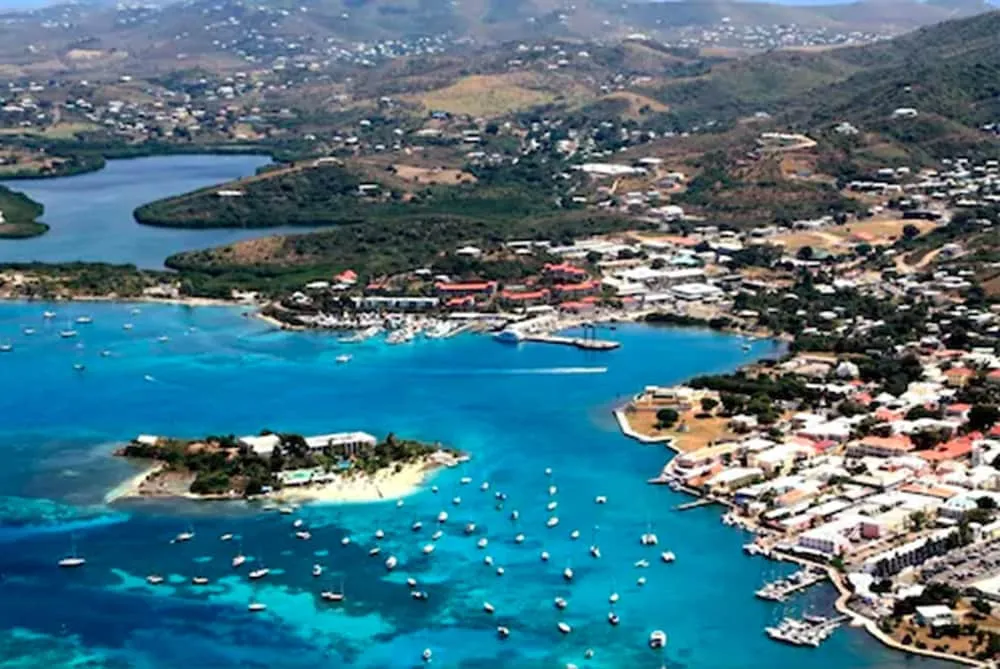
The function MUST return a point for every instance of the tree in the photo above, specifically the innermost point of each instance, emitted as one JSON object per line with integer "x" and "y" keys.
{"x": 667, "y": 417}
{"x": 987, "y": 503}
{"x": 917, "y": 520}
{"x": 805, "y": 253}
{"x": 708, "y": 403}
{"x": 910, "y": 231}
{"x": 658, "y": 263}
{"x": 982, "y": 606}
{"x": 982, "y": 417}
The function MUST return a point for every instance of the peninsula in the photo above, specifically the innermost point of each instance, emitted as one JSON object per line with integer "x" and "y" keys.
{"x": 344, "y": 466}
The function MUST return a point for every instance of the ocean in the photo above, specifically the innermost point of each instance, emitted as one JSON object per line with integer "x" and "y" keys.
{"x": 516, "y": 409}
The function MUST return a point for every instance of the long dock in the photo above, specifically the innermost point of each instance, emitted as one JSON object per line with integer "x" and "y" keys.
{"x": 579, "y": 342}
{"x": 704, "y": 501}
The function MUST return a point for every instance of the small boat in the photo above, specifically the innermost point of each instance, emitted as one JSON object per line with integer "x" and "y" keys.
{"x": 239, "y": 560}
{"x": 442, "y": 517}
{"x": 456, "y": 500}
{"x": 379, "y": 534}
{"x": 500, "y": 571}
{"x": 154, "y": 579}
{"x": 595, "y": 552}
{"x": 613, "y": 618}
{"x": 342, "y": 359}
{"x": 256, "y": 607}
{"x": 551, "y": 506}
{"x": 568, "y": 574}
{"x": 345, "y": 541}
{"x": 545, "y": 556}
{"x": 391, "y": 562}
{"x": 84, "y": 320}
{"x": 482, "y": 543}
{"x": 552, "y": 522}
{"x": 437, "y": 535}
{"x": 564, "y": 627}
{"x": 411, "y": 582}
{"x": 257, "y": 574}
{"x": 199, "y": 580}
{"x": 375, "y": 551}
{"x": 641, "y": 581}
{"x": 470, "y": 528}
{"x": 668, "y": 556}
{"x": 48, "y": 315}
{"x": 600, "y": 499}
{"x": 519, "y": 539}
{"x": 503, "y": 632}
{"x": 71, "y": 562}
{"x": 317, "y": 570}
{"x": 575, "y": 534}
{"x": 416, "y": 526}
{"x": 488, "y": 608}
{"x": 427, "y": 654}
{"x": 560, "y": 603}
{"x": 488, "y": 560}
{"x": 304, "y": 535}
{"x": 67, "y": 334}
{"x": 657, "y": 639}
{"x": 184, "y": 536}
{"x": 297, "y": 523}
{"x": 465, "y": 480}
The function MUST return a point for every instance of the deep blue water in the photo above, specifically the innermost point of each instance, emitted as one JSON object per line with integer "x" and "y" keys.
{"x": 517, "y": 410}
{"x": 91, "y": 214}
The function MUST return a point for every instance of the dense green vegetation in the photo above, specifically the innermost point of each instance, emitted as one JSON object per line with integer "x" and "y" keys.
{"x": 83, "y": 278}
{"x": 221, "y": 464}
{"x": 20, "y": 215}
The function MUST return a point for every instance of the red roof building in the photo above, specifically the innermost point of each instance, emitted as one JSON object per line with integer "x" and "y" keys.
{"x": 564, "y": 272}
{"x": 478, "y": 288}
{"x": 525, "y": 297}
{"x": 347, "y": 276}
{"x": 951, "y": 450}
{"x": 577, "y": 289}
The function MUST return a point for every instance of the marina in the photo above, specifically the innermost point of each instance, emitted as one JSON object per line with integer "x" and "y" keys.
{"x": 783, "y": 588}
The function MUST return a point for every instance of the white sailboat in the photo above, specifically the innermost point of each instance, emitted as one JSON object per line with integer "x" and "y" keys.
{"x": 73, "y": 560}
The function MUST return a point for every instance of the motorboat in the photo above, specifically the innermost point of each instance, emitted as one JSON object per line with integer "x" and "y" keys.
{"x": 657, "y": 639}
{"x": 482, "y": 543}
{"x": 317, "y": 571}
{"x": 417, "y": 526}
{"x": 519, "y": 539}
{"x": 442, "y": 517}
{"x": 428, "y": 549}
{"x": 375, "y": 550}
{"x": 488, "y": 608}
{"x": 71, "y": 562}
{"x": 568, "y": 574}
{"x": 304, "y": 535}
{"x": 391, "y": 562}
{"x": 343, "y": 359}
{"x": 258, "y": 574}
{"x": 613, "y": 618}
{"x": 503, "y": 632}
{"x": 154, "y": 579}
{"x": 600, "y": 499}
{"x": 552, "y": 522}
{"x": 574, "y": 535}
{"x": 239, "y": 560}
{"x": 84, "y": 320}
{"x": 545, "y": 556}
{"x": 564, "y": 627}
{"x": 668, "y": 556}
{"x": 256, "y": 607}
{"x": 184, "y": 536}
{"x": 470, "y": 528}
{"x": 560, "y": 603}
{"x": 199, "y": 580}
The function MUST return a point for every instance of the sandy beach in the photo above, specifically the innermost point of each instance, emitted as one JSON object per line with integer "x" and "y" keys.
{"x": 386, "y": 484}
{"x": 132, "y": 487}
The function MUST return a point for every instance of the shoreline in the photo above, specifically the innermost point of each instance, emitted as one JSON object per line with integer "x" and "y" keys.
{"x": 138, "y": 299}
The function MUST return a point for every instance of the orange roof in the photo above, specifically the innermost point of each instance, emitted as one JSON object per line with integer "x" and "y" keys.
{"x": 577, "y": 287}
{"x": 347, "y": 275}
{"x": 887, "y": 415}
{"x": 514, "y": 296}
{"x": 958, "y": 408}
{"x": 951, "y": 450}
{"x": 564, "y": 267}
{"x": 899, "y": 442}
{"x": 960, "y": 372}
{"x": 931, "y": 491}
{"x": 465, "y": 287}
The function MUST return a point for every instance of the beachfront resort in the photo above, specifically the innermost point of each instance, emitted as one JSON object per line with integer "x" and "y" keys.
{"x": 343, "y": 466}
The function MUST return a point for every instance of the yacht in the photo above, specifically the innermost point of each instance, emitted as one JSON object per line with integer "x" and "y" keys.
{"x": 484, "y": 486}
{"x": 391, "y": 562}
{"x": 84, "y": 320}
{"x": 184, "y": 536}
{"x": 519, "y": 539}
{"x": 657, "y": 639}
{"x": 260, "y": 573}
{"x": 442, "y": 517}
{"x": 488, "y": 608}
{"x": 67, "y": 333}
{"x": 317, "y": 570}
{"x": 154, "y": 579}
{"x": 199, "y": 580}
{"x": 488, "y": 560}
{"x": 163, "y": 339}
{"x": 568, "y": 574}
{"x": 256, "y": 607}
{"x": 78, "y": 367}
{"x": 427, "y": 654}
{"x": 48, "y": 315}
{"x": 641, "y": 564}
{"x": 304, "y": 535}
{"x": 574, "y": 535}
{"x": 515, "y": 514}
{"x": 379, "y": 534}
{"x": 239, "y": 560}
{"x": 375, "y": 551}
{"x": 551, "y": 506}
{"x": 6, "y": 347}
{"x": 411, "y": 582}
{"x": 613, "y": 598}
{"x": 595, "y": 552}
{"x": 545, "y": 556}
{"x": 648, "y": 539}
{"x": 127, "y": 326}
{"x": 330, "y": 596}
{"x": 342, "y": 359}
{"x": 437, "y": 535}
{"x": 29, "y": 331}
{"x": 668, "y": 556}
{"x": 456, "y": 500}
{"x": 552, "y": 522}
{"x": 552, "y": 490}
{"x": 641, "y": 581}
{"x": 503, "y": 632}
{"x": 482, "y": 543}
{"x": 600, "y": 499}
{"x": 428, "y": 549}
{"x": 419, "y": 595}
{"x": 564, "y": 627}
{"x": 416, "y": 526}
{"x": 297, "y": 523}
{"x": 560, "y": 603}
{"x": 345, "y": 541}
{"x": 470, "y": 528}
{"x": 500, "y": 571}
{"x": 72, "y": 561}
{"x": 465, "y": 480}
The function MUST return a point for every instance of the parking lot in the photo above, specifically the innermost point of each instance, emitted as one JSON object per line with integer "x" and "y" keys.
{"x": 960, "y": 567}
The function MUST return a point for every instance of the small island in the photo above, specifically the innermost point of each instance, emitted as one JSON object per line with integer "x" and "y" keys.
{"x": 344, "y": 466}
{"x": 19, "y": 215}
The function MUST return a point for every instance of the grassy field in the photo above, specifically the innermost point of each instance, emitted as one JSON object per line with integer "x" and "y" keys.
{"x": 837, "y": 238}
{"x": 485, "y": 95}
{"x": 57, "y": 131}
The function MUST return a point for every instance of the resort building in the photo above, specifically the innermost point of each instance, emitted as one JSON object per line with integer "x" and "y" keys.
{"x": 880, "y": 447}
{"x": 348, "y": 444}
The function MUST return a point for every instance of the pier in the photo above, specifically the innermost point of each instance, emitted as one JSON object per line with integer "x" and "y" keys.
{"x": 780, "y": 590}
{"x": 579, "y": 342}
{"x": 705, "y": 501}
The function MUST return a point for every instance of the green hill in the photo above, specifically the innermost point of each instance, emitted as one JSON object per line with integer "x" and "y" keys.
{"x": 20, "y": 215}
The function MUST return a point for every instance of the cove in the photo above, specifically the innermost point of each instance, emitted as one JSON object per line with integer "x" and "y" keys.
{"x": 516, "y": 409}
{"x": 91, "y": 214}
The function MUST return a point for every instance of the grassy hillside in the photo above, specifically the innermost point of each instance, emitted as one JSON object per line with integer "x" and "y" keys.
{"x": 20, "y": 215}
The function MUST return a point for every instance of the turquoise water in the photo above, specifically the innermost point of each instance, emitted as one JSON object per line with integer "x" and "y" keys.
{"x": 517, "y": 410}
{"x": 91, "y": 214}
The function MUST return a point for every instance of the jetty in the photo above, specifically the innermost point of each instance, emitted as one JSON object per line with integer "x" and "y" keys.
{"x": 704, "y": 501}
{"x": 780, "y": 590}
{"x": 585, "y": 343}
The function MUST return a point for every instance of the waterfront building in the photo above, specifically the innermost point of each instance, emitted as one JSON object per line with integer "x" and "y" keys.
{"x": 349, "y": 444}
{"x": 935, "y": 616}
{"x": 731, "y": 478}
{"x": 894, "y": 560}
{"x": 396, "y": 303}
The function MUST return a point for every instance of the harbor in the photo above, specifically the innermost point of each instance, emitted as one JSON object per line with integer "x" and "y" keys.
{"x": 783, "y": 588}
